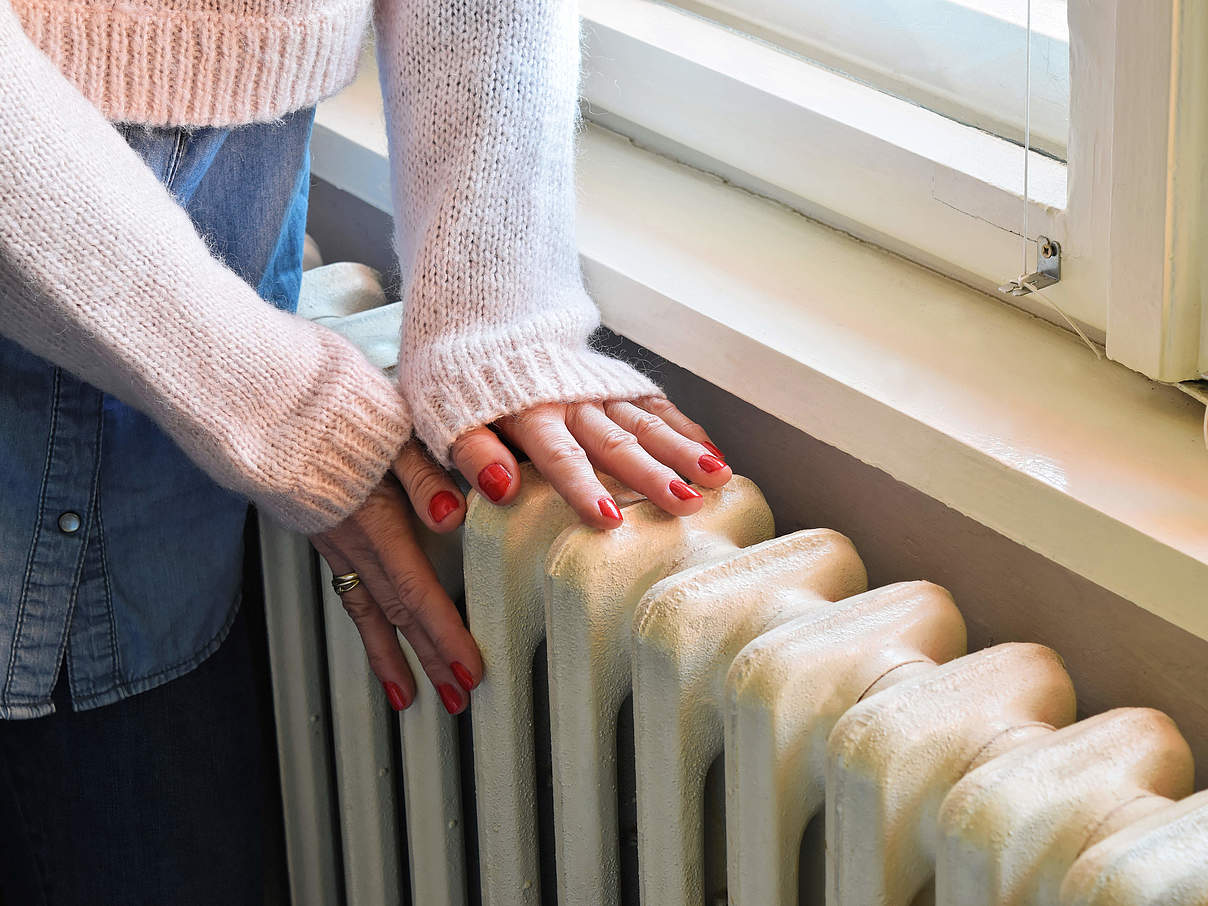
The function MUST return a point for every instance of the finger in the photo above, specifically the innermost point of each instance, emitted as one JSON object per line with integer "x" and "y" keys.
{"x": 555, "y": 453}
{"x": 434, "y": 495}
{"x": 667, "y": 411}
{"x": 403, "y": 581}
{"x": 616, "y": 451}
{"x": 688, "y": 457}
{"x": 487, "y": 465}
{"x": 379, "y": 637}
{"x": 395, "y": 611}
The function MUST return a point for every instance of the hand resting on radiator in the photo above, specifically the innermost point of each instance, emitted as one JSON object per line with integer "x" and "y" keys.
{"x": 646, "y": 444}
{"x": 399, "y": 589}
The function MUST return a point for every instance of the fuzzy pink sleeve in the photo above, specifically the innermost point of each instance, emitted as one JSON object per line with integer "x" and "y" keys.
{"x": 481, "y": 109}
{"x": 102, "y": 273}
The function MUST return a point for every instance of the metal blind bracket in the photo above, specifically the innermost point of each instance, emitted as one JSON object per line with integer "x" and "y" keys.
{"x": 1048, "y": 269}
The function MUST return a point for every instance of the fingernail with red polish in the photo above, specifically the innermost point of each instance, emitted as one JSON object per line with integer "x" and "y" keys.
{"x": 464, "y": 678}
{"x": 710, "y": 463}
{"x": 608, "y": 508}
{"x": 494, "y": 481}
{"x": 449, "y": 696}
{"x": 712, "y": 449}
{"x": 395, "y": 693}
{"x": 683, "y": 491}
{"x": 442, "y": 505}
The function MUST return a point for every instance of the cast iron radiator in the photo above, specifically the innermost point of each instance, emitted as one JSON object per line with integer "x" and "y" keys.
{"x": 694, "y": 711}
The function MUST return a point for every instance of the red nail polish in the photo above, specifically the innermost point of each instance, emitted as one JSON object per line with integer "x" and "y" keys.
{"x": 712, "y": 449}
{"x": 442, "y": 505}
{"x": 464, "y": 678}
{"x": 609, "y": 508}
{"x": 395, "y": 693}
{"x": 494, "y": 481}
{"x": 710, "y": 463}
{"x": 683, "y": 491}
{"x": 450, "y": 697}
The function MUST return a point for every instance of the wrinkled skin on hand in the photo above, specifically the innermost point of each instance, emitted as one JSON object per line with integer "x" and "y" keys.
{"x": 647, "y": 444}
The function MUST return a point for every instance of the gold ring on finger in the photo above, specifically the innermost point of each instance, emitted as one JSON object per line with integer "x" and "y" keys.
{"x": 345, "y": 583}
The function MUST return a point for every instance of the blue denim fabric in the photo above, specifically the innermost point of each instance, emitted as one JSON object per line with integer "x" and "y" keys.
{"x": 117, "y": 555}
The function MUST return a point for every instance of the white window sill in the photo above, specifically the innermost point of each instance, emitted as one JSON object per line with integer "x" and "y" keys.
{"x": 994, "y": 413}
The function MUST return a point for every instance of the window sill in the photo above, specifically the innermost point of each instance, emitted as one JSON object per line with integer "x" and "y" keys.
{"x": 994, "y": 413}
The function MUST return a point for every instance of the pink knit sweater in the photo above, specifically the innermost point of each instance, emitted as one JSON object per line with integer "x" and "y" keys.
{"x": 102, "y": 273}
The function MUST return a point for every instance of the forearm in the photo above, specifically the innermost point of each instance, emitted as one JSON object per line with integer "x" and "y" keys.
{"x": 481, "y": 102}
{"x": 102, "y": 273}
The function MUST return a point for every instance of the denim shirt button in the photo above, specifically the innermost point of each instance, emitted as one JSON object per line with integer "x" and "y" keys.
{"x": 69, "y": 523}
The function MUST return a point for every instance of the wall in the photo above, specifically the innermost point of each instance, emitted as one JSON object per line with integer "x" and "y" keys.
{"x": 1117, "y": 653}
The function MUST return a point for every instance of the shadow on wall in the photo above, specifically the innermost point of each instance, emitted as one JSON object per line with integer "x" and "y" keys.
{"x": 348, "y": 229}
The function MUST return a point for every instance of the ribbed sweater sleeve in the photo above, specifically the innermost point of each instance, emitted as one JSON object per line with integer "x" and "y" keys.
{"x": 481, "y": 111}
{"x": 103, "y": 274}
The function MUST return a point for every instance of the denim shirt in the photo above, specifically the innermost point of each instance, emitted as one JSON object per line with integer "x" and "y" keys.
{"x": 118, "y": 556}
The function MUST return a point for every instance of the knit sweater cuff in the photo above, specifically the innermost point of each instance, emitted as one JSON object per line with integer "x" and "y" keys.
{"x": 360, "y": 424}
{"x": 476, "y": 382}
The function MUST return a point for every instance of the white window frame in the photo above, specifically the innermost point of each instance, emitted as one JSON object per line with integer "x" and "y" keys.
{"x": 1130, "y": 218}
{"x": 955, "y": 63}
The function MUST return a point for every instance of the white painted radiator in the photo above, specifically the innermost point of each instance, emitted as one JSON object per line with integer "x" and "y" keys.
{"x": 719, "y": 714}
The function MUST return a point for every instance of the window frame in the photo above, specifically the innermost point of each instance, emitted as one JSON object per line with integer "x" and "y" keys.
{"x": 1158, "y": 309}
{"x": 945, "y": 194}
{"x": 955, "y": 45}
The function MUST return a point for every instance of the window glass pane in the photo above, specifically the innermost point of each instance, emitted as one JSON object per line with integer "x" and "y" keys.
{"x": 961, "y": 58}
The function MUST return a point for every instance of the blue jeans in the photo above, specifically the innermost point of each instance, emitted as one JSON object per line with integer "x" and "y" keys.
{"x": 135, "y": 775}
{"x": 157, "y": 799}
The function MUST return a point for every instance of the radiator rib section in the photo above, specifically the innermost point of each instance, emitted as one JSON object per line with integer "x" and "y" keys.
{"x": 430, "y": 759}
{"x": 687, "y": 630}
{"x": 594, "y": 582}
{"x": 1047, "y": 799}
{"x": 505, "y": 557}
{"x": 785, "y": 692}
{"x": 294, "y": 617}
{"x": 432, "y": 793}
{"x": 893, "y": 757}
{"x": 1157, "y": 861}
{"x": 365, "y": 783}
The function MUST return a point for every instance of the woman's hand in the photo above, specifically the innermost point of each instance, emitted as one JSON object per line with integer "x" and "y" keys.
{"x": 646, "y": 444}
{"x": 399, "y": 589}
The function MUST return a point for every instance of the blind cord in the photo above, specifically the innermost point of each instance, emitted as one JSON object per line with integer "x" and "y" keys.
{"x": 1027, "y": 132}
{"x": 1027, "y": 153}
